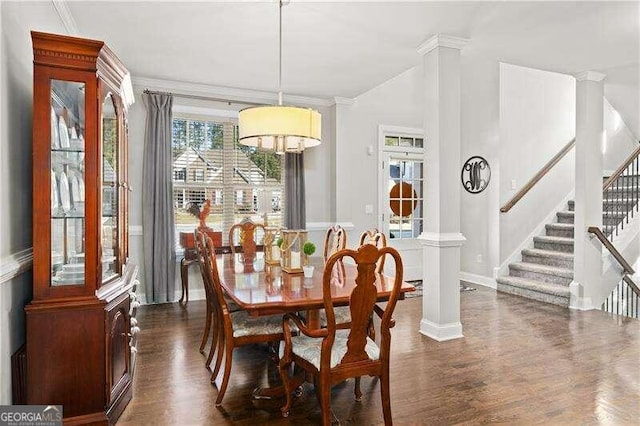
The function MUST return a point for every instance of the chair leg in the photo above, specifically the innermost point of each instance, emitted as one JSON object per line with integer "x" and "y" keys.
{"x": 325, "y": 401}
{"x": 220, "y": 348}
{"x": 284, "y": 376}
{"x": 357, "y": 391}
{"x": 227, "y": 372}
{"x": 207, "y": 330}
{"x": 386, "y": 396}
{"x": 215, "y": 342}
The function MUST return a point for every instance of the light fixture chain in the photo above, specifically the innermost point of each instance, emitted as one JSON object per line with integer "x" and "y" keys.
{"x": 280, "y": 52}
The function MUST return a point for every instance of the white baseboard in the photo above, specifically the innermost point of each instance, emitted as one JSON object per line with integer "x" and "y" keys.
{"x": 479, "y": 280}
{"x": 439, "y": 332}
{"x": 195, "y": 294}
{"x": 579, "y": 303}
{"x": 15, "y": 264}
{"x": 516, "y": 255}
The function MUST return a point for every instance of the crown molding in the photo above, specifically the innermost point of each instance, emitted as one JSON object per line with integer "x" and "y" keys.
{"x": 337, "y": 100}
{"x": 69, "y": 23}
{"x": 590, "y": 76}
{"x": 227, "y": 93}
{"x": 442, "y": 40}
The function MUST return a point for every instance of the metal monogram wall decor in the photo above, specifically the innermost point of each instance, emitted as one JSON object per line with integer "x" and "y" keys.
{"x": 475, "y": 175}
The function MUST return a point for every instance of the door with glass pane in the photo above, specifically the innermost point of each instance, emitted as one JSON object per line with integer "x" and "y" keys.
{"x": 67, "y": 183}
{"x": 111, "y": 191}
{"x": 402, "y": 207}
{"x": 402, "y": 215}
{"x": 63, "y": 177}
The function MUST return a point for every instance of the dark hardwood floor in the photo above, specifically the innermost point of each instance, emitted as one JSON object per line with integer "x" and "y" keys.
{"x": 521, "y": 362}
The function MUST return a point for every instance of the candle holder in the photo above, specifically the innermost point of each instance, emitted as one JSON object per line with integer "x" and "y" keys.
{"x": 291, "y": 251}
{"x": 271, "y": 249}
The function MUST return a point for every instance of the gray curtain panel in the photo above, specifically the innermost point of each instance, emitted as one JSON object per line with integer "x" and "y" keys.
{"x": 157, "y": 201}
{"x": 294, "y": 211}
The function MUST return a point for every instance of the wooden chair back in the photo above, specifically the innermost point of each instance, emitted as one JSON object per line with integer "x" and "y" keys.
{"x": 334, "y": 241}
{"x": 378, "y": 239}
{"x": 361, "y": 303}
{"x": 211, "y": 276}
{"x": 246, "y": 230}
{"x": 199, "y": 240}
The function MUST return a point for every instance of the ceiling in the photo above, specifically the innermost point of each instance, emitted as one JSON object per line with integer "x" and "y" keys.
{"x": 345, "y": 49}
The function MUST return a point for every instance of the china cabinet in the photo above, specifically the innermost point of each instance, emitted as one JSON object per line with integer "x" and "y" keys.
{"x": 81, "y": 326}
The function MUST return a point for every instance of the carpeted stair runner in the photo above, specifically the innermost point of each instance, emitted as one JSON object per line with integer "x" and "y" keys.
{"x": 546, "y": 270}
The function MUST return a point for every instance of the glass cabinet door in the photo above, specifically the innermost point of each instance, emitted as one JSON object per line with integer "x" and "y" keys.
{"x": 110, "y": 191}
{"x": 67, "y": 183}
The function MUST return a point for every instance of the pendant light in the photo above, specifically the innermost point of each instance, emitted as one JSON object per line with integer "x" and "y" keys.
{"x": 279, "y": 128}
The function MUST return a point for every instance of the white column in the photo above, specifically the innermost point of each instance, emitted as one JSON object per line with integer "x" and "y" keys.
{"x": 442, "y": 239}
{"x": 587, "y": 265}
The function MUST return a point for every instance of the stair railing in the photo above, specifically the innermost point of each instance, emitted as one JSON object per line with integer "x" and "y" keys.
{"x": 625, "y": 298}
{"x": 620, "y": 195}
{"x": 536, "y": 178}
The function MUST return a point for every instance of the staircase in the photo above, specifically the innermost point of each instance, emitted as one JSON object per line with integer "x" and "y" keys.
{"x": 546, "y": 270}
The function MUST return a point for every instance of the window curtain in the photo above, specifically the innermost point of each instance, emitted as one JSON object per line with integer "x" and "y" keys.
{"x": 294, "y": 211}
{"x": 157, "y": 200}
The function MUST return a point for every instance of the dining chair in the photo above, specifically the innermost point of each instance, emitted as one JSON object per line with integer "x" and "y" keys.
{"x": 235, "y": 329}
{"x": 246, "y": 232}
{"x": 332, "y": 355}
{"x": 378, "y": 239}
{"x": 212, "y": 327}
{"x": 335, "y": 240}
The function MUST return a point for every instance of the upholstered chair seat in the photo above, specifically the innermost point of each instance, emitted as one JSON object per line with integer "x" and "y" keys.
{"x": 309, "y": 348}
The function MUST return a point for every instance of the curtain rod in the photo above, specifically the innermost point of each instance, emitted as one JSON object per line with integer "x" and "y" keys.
{"x": 202, "y": 98}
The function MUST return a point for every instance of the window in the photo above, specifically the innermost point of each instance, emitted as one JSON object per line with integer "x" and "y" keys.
{"x": 209, "y": 163}
{"x": 401, "y": 182}
{"x": 179, "y": 174}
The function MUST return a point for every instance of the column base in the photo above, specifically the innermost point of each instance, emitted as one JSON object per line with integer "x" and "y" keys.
{"x": 440, "y": 332}
{"x": 578, "y": 302}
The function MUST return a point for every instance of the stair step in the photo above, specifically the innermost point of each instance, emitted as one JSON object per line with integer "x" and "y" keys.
{"x": 565, "y": 216}
{"x": 545, "y": 242}
{"x": 544, "y": 273}
{"x": 545, "y": 292}
{"x": 548, "y": 257}
{"x": 559, "y": 230}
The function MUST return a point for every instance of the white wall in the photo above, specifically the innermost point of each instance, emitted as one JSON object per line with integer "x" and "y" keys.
{"x": 537, "y": 118}
{"x": 619, "y": 141}
{"x": 16, "y": 91}
{"x": 479, "y": 133}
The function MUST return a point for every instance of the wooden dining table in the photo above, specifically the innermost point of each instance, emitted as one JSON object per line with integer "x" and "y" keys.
{"x": 263, "y": 289}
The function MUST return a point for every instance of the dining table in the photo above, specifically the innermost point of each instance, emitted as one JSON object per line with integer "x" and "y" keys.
{"x": 261, "y": 289}
{"x": 264, "y": 289}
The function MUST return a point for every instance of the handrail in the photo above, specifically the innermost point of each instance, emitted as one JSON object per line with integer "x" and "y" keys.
{"x": 627, "y": 279}
{"x": 607, "y": 183}
{"x": 605, "y": 242}
{"x": 543, "y": 171}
